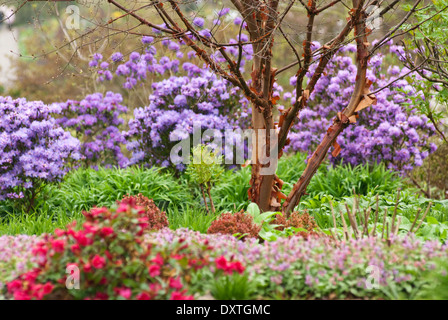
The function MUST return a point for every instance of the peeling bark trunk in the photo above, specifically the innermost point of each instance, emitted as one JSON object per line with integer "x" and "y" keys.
{"x": 313, "y": 164}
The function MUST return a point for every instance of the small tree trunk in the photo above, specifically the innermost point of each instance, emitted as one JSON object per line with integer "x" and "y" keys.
{"x": 211, "y": 200}
{"x": 205, "y": 199}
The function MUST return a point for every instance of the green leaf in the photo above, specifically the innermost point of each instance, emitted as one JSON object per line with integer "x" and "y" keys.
{"x": 432, "y": 220}
{"x": 253, "y": 209}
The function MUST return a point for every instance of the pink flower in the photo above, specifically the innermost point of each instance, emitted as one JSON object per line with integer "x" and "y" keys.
{"x": 124, "y": 292}
{"x": 106, "y": 231}
{"x": 123, "y": 207}
{"x": 98, "y": 262}
{"x": 101, "y": 296}
{"x": 21, "y": 295}
{"x": 175, "y": 283}
{"x": 58, "y": 245}
{"x": 179, "y": 296}
{"x": 97, "y": 211}
{"x": 158, "y": 259}
{"x": 87, "y": 267}
{"x": 237, "y": 266}
{"x": 154, "y": 270}
{"x": 89, "y": 228}
{"x": 143, "y": 296}
{"x": 13, "y": 286}
{"x": 76, "y": 249}
{"x": 221, "y": 263}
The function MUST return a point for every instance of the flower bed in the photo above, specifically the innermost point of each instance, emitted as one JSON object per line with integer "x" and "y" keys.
{"x": 293, "y": 267}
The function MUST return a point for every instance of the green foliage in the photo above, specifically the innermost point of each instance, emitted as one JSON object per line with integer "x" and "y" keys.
{"x": 36, "y": 223}
{"x": 233, "y": 287}
{"x": 340, "y": 181}
{"x": 85, "y": 188}
{"x": 230, "y": 193}
{"x": 269, "y": 231}
{"x": 436, "y": 287}
{"x": 434, "y": 227}
{"x": 337, "y": 182}
{"x": 190, "y": 217}
{"x": 204, "y": 170}
{"x": 204, "y": 167}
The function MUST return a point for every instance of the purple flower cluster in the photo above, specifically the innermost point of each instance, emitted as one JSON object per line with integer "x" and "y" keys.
{"x": 34, "y": 149}
{"x": 176, "y": 104}
{"x": 386, "y": 132}
{"x": 96, "y": 120}
{"x": 192, "y": 95}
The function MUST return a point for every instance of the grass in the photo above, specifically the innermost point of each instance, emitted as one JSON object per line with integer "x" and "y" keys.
{"x": 190, "y": 217}
{"x": 83, "y": 189}
{"x": 35, "y": 224}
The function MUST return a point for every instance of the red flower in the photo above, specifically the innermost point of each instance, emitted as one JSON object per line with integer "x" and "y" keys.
{"x": 158, "y": 259}
{"x": 179, "y": 296}
{"x": 98, "y": 262}
{"x": 81, "y": 238}
{"x": 236, "y": 266}
{"x": 58, "y": 245}
{"x": 87, "y": 267}
{"x": 13, "y": 286}
{"x": 30, "y": 276}
{"x": 21, "y": 295}
{"x": 76, "y": 249}
{"x": 106, "y": 231}
{"x": 175, "y": 283}
{"x": 143, "y": 296}
{"x": 124, "y": 292}
{"x": 221, "y": 263}
{"x": 101, "y": 296}
{"x": 47, "y": 288}
{"x": 154, "y": 270}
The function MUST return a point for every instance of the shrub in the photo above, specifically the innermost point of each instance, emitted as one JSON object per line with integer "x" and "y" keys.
{"x": 34, "y": 150}
{"x": 386, "y": 132}
{"x": 299, "y": 221}
{"x": 156, "y": 219}
{"x": 239, "y": 224}
{"x": 95, "y": 119}
{"x": 113, "y": 240}
{"x": 191, "y": 95}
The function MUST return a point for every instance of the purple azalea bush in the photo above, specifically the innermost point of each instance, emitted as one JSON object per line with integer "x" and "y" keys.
{"x": 97, "y": 123}
{"x": 385, "y": 132}
{"x": 34, "y": 149}
{"x": 192, "y": 95}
